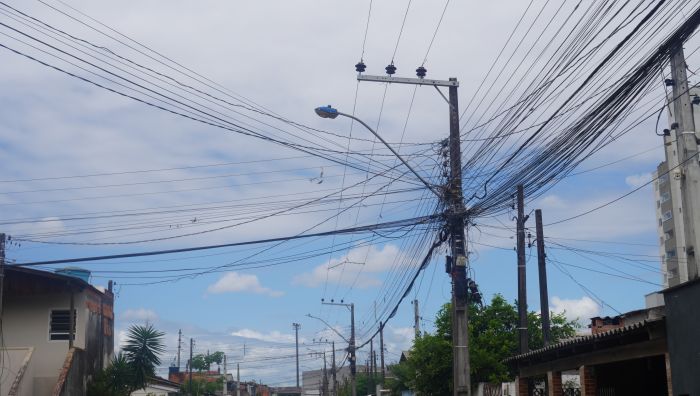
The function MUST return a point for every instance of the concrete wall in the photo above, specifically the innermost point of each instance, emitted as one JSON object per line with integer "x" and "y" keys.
{"x": 17, "y": 379}
{"x": 26, "y": 324}
{"x": 682, "y": 324}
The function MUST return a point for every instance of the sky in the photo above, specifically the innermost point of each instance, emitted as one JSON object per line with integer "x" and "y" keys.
{"x": 99, "y": 170}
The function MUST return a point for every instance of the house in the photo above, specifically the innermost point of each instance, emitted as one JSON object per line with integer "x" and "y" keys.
{"x": 652, "y": 351}
{"x": 158, "y": 387}
{"x": 57, "y": 331}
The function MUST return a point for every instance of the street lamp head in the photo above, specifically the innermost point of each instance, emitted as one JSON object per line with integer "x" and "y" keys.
{"x": 326, "y": 112}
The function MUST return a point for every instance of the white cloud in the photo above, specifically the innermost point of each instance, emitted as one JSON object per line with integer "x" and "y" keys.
{"x": 273, "y": 336}
{"x": 553, "y": 201}
{"x": 233, "y": 282}
{"x": 639, "y": 180}
{"x": 576, "y": 309}
{"x": 353, "y": 268}
{"x": 139, "y": 314}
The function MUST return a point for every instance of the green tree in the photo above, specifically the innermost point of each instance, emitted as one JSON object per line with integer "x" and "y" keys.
{"x": 492, "y": 338}
{"x": 143, "y": 347}
{"x": 202, "y": 362}
{"x": 202, "y": 387}
{"x": 130, "y": 369}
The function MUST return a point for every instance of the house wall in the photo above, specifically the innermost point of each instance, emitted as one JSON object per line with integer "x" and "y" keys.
{"x": 18, "y": 362}
{"x": 26, "y": 324}
{"x": 682, "y": 324}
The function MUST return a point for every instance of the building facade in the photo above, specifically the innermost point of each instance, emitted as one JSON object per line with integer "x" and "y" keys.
{"x": 50, "y": 351}
{"x": 669, "y": 209}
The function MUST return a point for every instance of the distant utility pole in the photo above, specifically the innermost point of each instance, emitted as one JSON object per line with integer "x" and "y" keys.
{"x": 2, "y": 271}
{"x": 190, "y": 365}
{"x": 225, "y": 391}
{"x": 334, "y": 372}
{"x": 296, "y": 337}
{"x": 522, "y": 291}
{"x": 351, "y": 346}
{"x": 381, "y": 349}
{"x": 238, "y": 379}
{"x": 542, "y": 267}
{"x": 416, "y": 318}
{"x": 179, "y": 347}
{"x": 371, "y": 353}
{"x": 687, "y": 148}
{"x": 457, "y": 213}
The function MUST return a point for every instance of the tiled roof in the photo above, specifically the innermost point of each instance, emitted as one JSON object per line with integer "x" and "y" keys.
{"x": 580, "y": 340}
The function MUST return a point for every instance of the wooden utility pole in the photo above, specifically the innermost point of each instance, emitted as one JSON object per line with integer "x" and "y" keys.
{"x": 522, "y": 290}
{"x": 381, "y": 350}
{"x": 296, "y": 337}
{"x": 460, "y": 305}
{"x": 542, "y": 267}
{"x": 687, "y": 148}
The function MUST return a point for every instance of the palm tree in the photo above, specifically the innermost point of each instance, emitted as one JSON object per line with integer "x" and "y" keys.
{"x": 143, "y": 346}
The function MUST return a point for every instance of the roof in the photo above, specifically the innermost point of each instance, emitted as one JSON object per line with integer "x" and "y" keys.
{"x": 163, "y": 382}
{"x": 52, "y": 276}
{"x": 626, "y": 331}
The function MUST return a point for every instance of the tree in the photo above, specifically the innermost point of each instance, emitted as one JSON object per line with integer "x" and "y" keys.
{"x": 492, "y": 338}
{"x": 143, "y": 346}
{"x": 202, "y": 362}
{"x": 130, "y": 369}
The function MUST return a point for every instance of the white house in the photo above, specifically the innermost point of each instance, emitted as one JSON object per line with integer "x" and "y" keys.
{"x": 57, "y": 331}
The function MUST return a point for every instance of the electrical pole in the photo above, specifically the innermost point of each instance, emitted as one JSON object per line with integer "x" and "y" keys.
{"x": 333, "y": 371}
{"x": 542, "y": 267}
{"x": 381, "y": 349}
{"x": 296, "y": 337}
{"x": 456, "y": 213}
{"x": 179, "y": 347}
{"x": 238, "y": 379}
{"x": 190, "y": 365}
{"x": 416, "y": 318}
{"x": 460, "y": 305}
{"x": 351, "y": 346}
{"x": 2, "y": 272}
{"x": 325, "y": 375}
{"x": 522, "y": 291}
{"x": 371, "y": 353}
{"x": 687, "y": 148}
{"x": 225, "y": 382}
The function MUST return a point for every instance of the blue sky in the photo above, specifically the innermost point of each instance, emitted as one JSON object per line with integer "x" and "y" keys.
{"x": 292, "y": 60}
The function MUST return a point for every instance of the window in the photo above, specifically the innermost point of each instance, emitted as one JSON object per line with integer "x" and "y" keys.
{"x": 667, "y": 215}
{"x": 60, "y": 324}
{"x": 670, "y": 254}
{"x": 665, "y": 196}
{"x": 663, "y": 178}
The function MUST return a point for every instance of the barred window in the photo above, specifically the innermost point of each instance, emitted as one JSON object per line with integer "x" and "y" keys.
{"x": 59, "y": 326}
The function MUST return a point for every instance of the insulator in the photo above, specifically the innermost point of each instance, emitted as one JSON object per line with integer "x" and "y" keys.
{"x": 669, "y": 82}
{"x": 391, "y": 69}
{"x": 360, "y": 67}
{"x": 421, "y": 72}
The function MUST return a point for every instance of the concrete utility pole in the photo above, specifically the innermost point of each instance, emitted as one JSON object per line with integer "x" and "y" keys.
{"x": 457, "y": 213}
{"x": 687, "y": 148}
{"x": 190, "y": 363}
{"x": 333, "y": 372}
{"x": 351, "y": 346}
{"x": 2, "y": 271}
{"x": 542, "y": 267}
{"x": 238, "y": 379}
{"x": 179, "y": 347}
{"x": 416, "y": 318}
{"x": 371, "y": 353}
{"x": 225, "y": 391}
{"x": 381, "y": 349}
{"x": 522, "y": 291}
{"x": 296, "y": 337}
{"x": 460, "y": 305}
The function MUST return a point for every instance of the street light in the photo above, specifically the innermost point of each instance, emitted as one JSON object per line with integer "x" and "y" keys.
{"x": 330, "y": 112}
